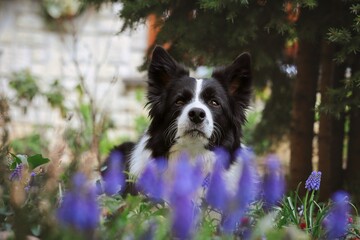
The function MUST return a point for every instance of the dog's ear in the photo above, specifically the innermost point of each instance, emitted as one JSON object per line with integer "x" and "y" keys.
{"x": 163, "y": 68}
{"x": 236, "y": 77}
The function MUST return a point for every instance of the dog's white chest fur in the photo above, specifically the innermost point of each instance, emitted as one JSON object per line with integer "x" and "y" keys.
{"x": 187, "y": 145}
{"x": 195, "y": 150}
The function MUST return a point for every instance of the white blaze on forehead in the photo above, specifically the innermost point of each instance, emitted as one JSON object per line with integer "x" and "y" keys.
{"x": 198, "y": 88}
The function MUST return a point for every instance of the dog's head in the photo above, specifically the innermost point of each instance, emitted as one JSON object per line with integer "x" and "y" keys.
{"x": 207, "y": 111}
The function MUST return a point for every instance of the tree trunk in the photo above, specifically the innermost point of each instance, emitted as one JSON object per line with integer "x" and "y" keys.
{"x": 302, "y": 114}
{"x": 353, "y": 154}
{"x": 331, "y": 131}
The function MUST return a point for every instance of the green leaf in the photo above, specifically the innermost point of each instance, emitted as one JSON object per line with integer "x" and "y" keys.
{"x": 15, "y": 162}
{"x": 37, "y": 160}
{"x": 36, "y": 230}
{"x": 111, "y": 203}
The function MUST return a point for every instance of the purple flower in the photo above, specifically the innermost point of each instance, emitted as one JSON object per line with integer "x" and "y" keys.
{"x": 183, "y": 217}
{"x": 114, "y": 180}
{"x": 217, "y": 196}
{"x": 187, "y": 180}
{"x": 336, "y": 222}
{"x": 17, "y": 173}
{"x": 30, "y": 182}
{"x": 246, "y": 193}
{"x": 273, "y": 182}
{"x": 230, "y": 220}
{"x": 248, "y": 182}
{"x": 313, "y": 181}
{"x": 151, "y": 180}
{"x": 79, "y": 208}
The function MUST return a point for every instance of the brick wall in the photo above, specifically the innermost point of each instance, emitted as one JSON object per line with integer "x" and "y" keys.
{"x": 87, "y": 46}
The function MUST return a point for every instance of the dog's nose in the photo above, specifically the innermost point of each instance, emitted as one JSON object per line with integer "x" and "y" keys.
{"x": 197, "y": 115}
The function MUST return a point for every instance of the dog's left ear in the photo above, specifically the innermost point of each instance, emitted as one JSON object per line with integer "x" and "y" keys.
{"x": 236, "y": 77}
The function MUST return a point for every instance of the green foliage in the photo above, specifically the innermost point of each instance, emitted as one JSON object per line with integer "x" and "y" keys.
{"x": 61, "y": 9}
{"x": 252, "y": 119}
{"x": 29, "y": 145}
{"x": 132, "y": 217}
{"x": 36, "y": 160}
{"x": 141, "y": 123}
{"x": 90, "y": 131}
{"x": 93, "y": 124}
{"x": 16, "y": 161}
{"x": 33, "y": 161}
{"x": 342, "y": 36}
{"x": 344, "y": 98}
{"x": 306, "y": 3}
{"x": 26, "y": 88}
{"x": 25, "y": 85}
{"x": 55, "y": 97}
{"x": 78, "y": 139}
{"x": 106, "y": 145}
{"x": 348, "y": 37}
{"x": 306, "y": 213}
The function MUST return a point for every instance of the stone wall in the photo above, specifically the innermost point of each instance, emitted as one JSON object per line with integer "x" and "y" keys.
{"x": 86, "y": 48}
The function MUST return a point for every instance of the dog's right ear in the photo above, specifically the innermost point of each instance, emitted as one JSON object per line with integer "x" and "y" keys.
{"x": 163, "y": 68}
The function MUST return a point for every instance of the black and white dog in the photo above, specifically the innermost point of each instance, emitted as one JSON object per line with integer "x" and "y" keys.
{"x": 192, "y": 115}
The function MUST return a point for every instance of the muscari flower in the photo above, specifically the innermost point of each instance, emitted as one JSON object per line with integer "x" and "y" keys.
{"x": 246, "y": 192}
{"x": 273, "y": 182}
{"x": 313, "y": 181}
{"x": 248, "y": 182}
{"x": 336, "y": 222}
{"x": 114, "y": 180}
{"x": 17, "y": 173}
{"x": 79, "y": 208}
{"x": 151, "y": 181}
{"x": 30, "y": 182}
{"x": 184, "y": 215}
{"x": 217, "y": 195}
{"x": 187, "y": 180}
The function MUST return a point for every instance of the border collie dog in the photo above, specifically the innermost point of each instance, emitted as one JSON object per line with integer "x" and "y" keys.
{"x": 192, "y": 115}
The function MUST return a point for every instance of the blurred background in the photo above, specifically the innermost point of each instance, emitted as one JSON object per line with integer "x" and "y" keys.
{"x": 73, "y": 74}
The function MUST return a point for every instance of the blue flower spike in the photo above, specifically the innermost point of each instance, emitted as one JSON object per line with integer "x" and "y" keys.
{"x": 313, "y": 181}
{"x": 79, "y": 208}
{"x": 245, "y": 194}
{"x": 16, "y": 174}
{"x": 336, "y": 222}
{"x": 151, "y": 181}
{"x": 187, "y": 180}
{"x": 114, "y": 180}
{"x": 273, "y": 182}
{"x": 217, "y": 195}
{"x": 248, "y": 182}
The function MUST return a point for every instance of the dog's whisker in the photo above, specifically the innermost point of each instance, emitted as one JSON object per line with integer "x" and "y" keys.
{"x": 217, "y": 133}
{"x": 170, "y": 132}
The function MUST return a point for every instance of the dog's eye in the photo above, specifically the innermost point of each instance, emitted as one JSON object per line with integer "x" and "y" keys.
{"x": 180, "y": 102}
{"x": 214, "y": 103}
